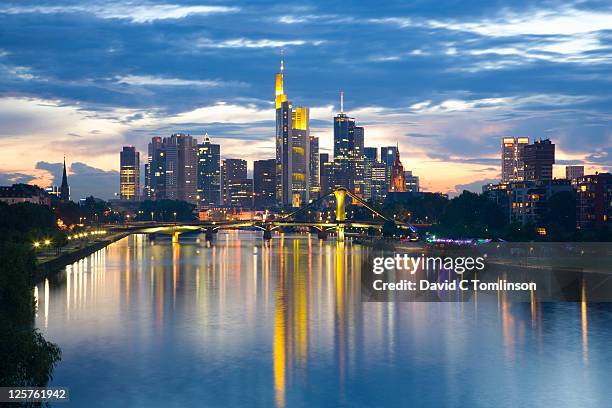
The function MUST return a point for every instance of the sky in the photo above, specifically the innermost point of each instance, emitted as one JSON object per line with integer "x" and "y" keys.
{"x": 444, "y": 80}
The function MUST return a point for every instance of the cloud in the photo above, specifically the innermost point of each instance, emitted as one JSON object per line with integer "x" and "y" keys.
{"x": 15, "y": 178}
{"x": 250, "y": 43}
{"x": 474, "y": 186}
{"x": 137, "y": 13}
{"x": 145, "y": 80}
{"x": 84, "y": 180}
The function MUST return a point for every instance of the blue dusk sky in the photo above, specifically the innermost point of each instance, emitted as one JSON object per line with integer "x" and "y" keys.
{"x": 445, "y": 80}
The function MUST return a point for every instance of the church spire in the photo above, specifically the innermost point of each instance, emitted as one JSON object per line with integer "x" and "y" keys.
{"x": 64, "y": 188}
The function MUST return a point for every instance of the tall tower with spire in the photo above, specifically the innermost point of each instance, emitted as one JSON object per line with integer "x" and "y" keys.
{"x": 64, "y": 188}
{"x": 292, "y": 147}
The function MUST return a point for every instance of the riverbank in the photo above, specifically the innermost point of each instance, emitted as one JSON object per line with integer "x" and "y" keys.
{"x": 51, "y": 266}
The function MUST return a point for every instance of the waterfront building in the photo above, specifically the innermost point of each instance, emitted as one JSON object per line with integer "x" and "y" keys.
{"x": 539, "y": 158}
{"x": 129, "y": 174}
{"x": 264, "y": 183}
{"x": 593, "y": 200}
{"x": 155, "y": 170}
{"x": 300, "y": 157}
{"x": 64, "y": 187}
{"x": 573, "y": 172}
{"x": 512, "y": 158}
{"x": 24, "y": 193}
{"x": 528, "y": 200}
{"x": 209, "y": 173}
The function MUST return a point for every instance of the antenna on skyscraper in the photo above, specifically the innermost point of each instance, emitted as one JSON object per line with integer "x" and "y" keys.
{"x": 341, "y": 101}
{"x": 282, "y": 67}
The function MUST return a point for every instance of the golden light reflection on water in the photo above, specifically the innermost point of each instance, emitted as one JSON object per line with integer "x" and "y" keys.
{"x": 303, "y": 291}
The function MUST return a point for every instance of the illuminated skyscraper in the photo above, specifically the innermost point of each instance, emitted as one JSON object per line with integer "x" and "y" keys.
{"x": 155, "y": 170}
{"x": 209, "y": 173}
{"x": 129, "y": 174}
{"x": 348, "y": 152}
{"x": 292, "y": 148}
{"x": 512, "y": 152}
{"x": 387, "y": 156}
{"x": 325, "y": 173}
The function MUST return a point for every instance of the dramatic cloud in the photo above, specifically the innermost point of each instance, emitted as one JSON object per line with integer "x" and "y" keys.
{"x": 83, "y": 78}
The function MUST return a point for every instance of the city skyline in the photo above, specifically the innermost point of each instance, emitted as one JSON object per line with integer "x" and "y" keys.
{"x": 490, "y": 72}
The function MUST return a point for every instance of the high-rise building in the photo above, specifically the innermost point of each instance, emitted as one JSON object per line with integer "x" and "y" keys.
{"x": 325, "y": 174}
{"x": 387, "y": 156}
{"x": 412, "y": 182}
{"x": 236, "y": 188}
{"x": 512, "y": 158}
{"x": 539, "y": 158}
{"x": 398, "y": 177}
{"x": 315, "y": 182}
{"x": 209, "y": 173}
{"x": 573, "y": 172}
{"x": 64, "y": 188}
{"x": 264, "y": 183}
{"x": 172, "y": 167}
{"x": 370, "y": 160}
{"x": 348, "y": 152}
{"x": 377, "y": 181}
{"x": 292, "y": 148}
{"x": 300, "y": 157}
{"x": 370, "y": 154}
{"x": 129, "y": 174}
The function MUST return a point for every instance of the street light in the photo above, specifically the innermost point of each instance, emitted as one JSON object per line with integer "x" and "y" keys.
{"x": 47, "y": 242}
{"x": 174, "y": 213}
{"x": 36, "y": 244}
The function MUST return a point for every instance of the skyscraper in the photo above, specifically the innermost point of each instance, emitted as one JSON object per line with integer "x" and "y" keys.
{"x": 512, "y": 156}
{"x": 412, "y": 182}
{"x": 209, "y": 173}
{"x": 172, "y": 168}
{"x": 315, "y": 182}
{"x": 129, "y": 174}
{"x": 387, "y": 156}
{"x": 348, "y": 152}
{"x": 539, "y": 158}
{"x": 292, "y": 148}
{"x": 325, "y": 173}
{"x": 64, "y": 188}
{"x": 236, "y": 188}
{"x": 264, "y": 183}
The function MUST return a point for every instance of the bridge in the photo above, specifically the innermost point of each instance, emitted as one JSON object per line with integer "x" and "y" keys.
{"x": 338, "y": 226}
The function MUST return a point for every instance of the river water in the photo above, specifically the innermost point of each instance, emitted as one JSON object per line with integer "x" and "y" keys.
{"x": 243, "y": 323}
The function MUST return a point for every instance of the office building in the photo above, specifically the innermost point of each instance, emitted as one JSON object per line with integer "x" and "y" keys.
{"x": 264, "y": 183}
{"x": 376, "y": 182}
{"x": 348, "y": 152}
{"x": 209, "y": 173}
{"x": 387, "y": 156}
{"x": 539, "y": 158}
{"x": 412, "y": 182}
{"x": 292, "y": 148}
{"x": 129, "y": 174}
{"x": 573, "y": 172}
{"x": 237, "y": 189}
{"x": 172, "y": 168}
{"x": 325, "y": 174}
{"x": 512, "y": 158}
{"x": 315, "y": 182}
{"x": 529, "y": 199}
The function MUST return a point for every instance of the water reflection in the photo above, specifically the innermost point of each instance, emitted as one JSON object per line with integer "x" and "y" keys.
{"x": 248, "y": 322}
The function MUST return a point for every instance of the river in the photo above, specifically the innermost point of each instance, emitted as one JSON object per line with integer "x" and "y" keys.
{"x": 247, "y": 323}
